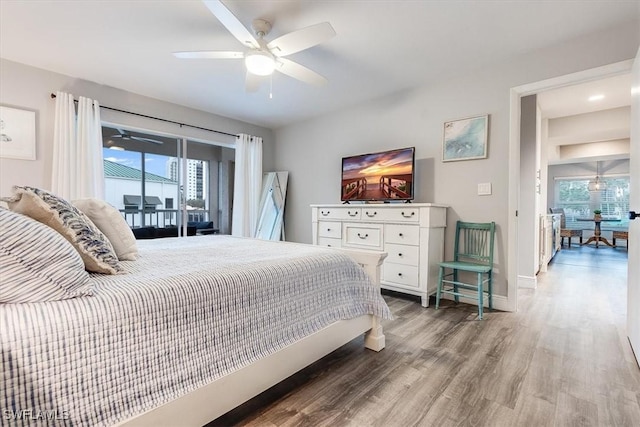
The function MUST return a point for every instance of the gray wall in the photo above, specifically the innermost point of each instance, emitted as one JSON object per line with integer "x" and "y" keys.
{"x": 29, "y": 88}
{"x": 311, "y": 150}
{"x": 527, "y": 212}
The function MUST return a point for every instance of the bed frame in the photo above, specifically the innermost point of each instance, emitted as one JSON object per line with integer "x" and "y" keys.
{"x": 215, "y": 399}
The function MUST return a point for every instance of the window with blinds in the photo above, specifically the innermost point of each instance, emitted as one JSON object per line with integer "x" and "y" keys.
{"x": 578, "y": 202}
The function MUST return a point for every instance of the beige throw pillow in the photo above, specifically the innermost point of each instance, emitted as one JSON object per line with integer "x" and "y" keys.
{"x": 92, "y": 245}
{"x": 111, "y": 222}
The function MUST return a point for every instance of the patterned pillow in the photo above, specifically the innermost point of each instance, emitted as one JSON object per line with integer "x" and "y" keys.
{"x": 37, "y": 263}
{"x": 111, "y": 222}
{"x": 94, "y": 248}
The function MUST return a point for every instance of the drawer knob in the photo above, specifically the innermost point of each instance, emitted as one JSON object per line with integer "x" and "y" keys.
{"x": 371, "y": 215}
{"x": 363, "y": 237}
{"x": 323, "y": 213}
{"x": 400, "y": 255}
{"x": 328, "y": 229}
{"x": 408, "y": 216}
{"x": 352, "y": 213}
{"x": 400, "y": 274}
{"x": 400, "y": 234}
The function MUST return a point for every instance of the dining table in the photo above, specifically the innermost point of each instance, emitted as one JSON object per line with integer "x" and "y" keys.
{"x": 597, "y": 231}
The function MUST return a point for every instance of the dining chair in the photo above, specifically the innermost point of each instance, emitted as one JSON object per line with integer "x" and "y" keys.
{"x": 472, "y": 258}
{"x": 624, "y": 235}
{"x": 564, "y": 231}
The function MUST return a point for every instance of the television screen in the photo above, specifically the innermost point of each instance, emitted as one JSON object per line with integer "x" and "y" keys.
{"x": 383, "y": 176}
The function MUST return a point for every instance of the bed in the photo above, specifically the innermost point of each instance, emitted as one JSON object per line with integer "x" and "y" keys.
{"x": 193, "y": 328}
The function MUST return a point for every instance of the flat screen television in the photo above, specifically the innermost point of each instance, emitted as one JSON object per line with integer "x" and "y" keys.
{"x": 384, "y": 176}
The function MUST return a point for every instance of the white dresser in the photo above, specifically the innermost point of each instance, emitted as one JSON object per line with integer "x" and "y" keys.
{"x": 412, "y": 234}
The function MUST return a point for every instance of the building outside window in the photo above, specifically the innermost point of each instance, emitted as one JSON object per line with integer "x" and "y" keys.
{"x": 123, "y": 188}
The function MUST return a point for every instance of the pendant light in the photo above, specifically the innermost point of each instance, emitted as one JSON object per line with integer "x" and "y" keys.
{"x": 597, "y": 184}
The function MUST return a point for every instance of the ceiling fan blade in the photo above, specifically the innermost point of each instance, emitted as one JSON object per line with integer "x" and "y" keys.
{"x": 301, "y": 39}
{"x": 252, "y": 82}
{"x": 209, "y": 54}
{"x": 232, "y": 23}
{"x": 300, "y": 72}
{"x": 153, "y": 141}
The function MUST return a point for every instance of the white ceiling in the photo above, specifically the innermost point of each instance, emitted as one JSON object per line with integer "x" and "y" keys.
{"x": 381, "y": 46}
{"x": 572, "y": 100}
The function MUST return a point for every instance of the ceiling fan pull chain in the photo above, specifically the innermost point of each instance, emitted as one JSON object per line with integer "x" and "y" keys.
{"x": 271, "y": 86}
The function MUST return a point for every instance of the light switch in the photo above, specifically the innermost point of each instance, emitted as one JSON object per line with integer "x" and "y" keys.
{"x": 484, "y": 189}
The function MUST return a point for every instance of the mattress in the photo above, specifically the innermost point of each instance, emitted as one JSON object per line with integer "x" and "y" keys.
{"x": 187, "y": 312}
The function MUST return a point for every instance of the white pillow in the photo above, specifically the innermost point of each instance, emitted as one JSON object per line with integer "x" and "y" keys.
{"x": 94, "y": 247}
{"x": 111, "y": 222}
{"x": 37, "y": 263}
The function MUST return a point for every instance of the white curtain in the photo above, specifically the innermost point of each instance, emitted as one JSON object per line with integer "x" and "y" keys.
{"x": 247, "y": 185}
{"x": 77, "y": 170}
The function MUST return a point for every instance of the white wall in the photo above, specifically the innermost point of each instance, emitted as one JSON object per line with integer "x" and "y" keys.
{"x": 30, "y": 88}
{"x": 596, "y": 126}
{"x": 311, "y": 151}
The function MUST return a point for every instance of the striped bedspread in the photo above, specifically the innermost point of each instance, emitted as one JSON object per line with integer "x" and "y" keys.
{"x": 189, "y": 311}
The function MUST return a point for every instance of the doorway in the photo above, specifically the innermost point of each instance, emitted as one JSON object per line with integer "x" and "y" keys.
{"x": 526, "y": 232}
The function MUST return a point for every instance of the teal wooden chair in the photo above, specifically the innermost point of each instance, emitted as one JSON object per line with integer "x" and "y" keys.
{"x": 473, "y": 255}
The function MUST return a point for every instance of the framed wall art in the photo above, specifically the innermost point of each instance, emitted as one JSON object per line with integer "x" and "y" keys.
{"x": 465, "y": 139}
{"x": 18, "y": 133}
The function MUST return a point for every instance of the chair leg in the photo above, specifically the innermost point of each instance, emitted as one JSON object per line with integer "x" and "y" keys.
{"x": 614, "y": 241}
{"x": 480, "y": 296}
{"x": 580, "y": 239}
{"x": 455, "y": 286}
{"x": 490, "y": 285}
{"x": 439, "y": 290}
{"x": 569, "y": 242}
{"x": 561, "y": 241}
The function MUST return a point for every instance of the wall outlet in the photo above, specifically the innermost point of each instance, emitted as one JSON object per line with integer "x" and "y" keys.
{"x": 484, "y": 189}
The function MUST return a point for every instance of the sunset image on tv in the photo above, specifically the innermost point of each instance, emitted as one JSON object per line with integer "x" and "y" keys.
{"x": 378, "y": 176}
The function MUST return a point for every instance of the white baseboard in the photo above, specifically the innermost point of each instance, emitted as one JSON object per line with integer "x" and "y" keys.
{"x": 527, "y": 282}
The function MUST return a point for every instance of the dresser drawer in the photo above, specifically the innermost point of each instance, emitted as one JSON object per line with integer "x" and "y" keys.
{"x": 405, "y": 275}
{"x": 402, "y": 234}
{"x": 411, "y": 215}
{"x": 402, "y": 254}
{"x": 330, "y": 229}
{"x": 367, "y": 236}
{"x": 339, "y": 213}
{"x": 329, "y": 242}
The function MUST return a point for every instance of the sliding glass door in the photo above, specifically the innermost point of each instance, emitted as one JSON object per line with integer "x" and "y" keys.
{"x": 165, "y": 183}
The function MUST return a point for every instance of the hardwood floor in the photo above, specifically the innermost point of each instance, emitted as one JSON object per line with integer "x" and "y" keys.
{"x": 562, "y": 360}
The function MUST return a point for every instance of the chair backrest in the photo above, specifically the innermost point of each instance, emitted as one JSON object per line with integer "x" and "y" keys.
{"x": 563, "y": 218}
{"x": 474, "y": 242}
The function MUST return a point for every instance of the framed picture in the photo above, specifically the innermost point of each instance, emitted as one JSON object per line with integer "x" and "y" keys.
{"x": 465, "y": 139}
{"x": 18, "y": 133}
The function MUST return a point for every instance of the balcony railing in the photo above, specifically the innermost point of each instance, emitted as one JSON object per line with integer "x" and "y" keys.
{"x": 161, "y": 217}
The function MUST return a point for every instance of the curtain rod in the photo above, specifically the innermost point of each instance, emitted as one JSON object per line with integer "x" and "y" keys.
{"x": 53, "y": 96}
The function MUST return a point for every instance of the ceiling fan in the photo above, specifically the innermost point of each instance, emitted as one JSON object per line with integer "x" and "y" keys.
{"x": 265, "y": 57}
{"x": 125, "y": 136}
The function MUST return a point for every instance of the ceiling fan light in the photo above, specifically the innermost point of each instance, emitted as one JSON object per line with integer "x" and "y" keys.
{"x": 260, "y": 63}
